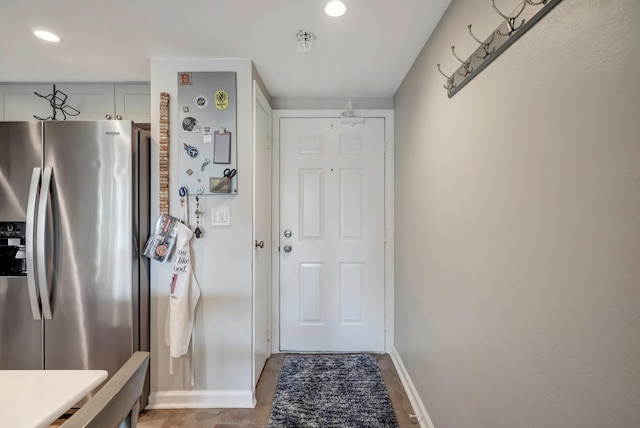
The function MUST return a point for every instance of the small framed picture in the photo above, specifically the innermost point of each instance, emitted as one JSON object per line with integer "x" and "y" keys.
{"x": 184, "y": 78}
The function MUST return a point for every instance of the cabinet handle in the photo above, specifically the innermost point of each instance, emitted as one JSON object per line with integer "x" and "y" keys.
{"x": 118, "y": 117}
{"x": 107, "y": 116}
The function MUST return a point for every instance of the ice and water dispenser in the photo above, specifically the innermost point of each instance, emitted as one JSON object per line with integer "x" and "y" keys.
{"x": 12, "y": 249}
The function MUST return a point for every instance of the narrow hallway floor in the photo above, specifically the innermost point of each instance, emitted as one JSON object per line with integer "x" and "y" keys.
{"x": 265, "y": 391}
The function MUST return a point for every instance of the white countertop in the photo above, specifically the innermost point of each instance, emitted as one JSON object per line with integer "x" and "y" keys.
{"x": 36, "y": 398}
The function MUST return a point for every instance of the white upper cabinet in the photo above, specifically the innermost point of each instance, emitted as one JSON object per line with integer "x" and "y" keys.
{"x": 133, "y": 102}
{"x": 19, "y": 102}
{"x": 94, "y": 101}
{"x": 76, "y": 101}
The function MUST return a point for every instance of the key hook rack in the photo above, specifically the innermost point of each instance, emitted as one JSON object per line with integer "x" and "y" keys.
{"x": 513, "y": 26}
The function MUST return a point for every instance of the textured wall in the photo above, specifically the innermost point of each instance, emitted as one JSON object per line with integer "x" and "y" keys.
{"x": 518, "y": 223}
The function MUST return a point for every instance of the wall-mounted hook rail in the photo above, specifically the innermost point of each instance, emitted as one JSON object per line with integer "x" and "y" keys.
{"x": 510, "y": 20}
{"x": 449, "y": 84}
{"x": 485, "y": 45}
{"x": 529, "y": 11}
{"x": 538, "y": 3}
{"x": 466, "y": 65}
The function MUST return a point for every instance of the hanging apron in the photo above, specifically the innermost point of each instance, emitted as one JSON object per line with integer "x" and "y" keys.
{"x": 183, "y": 298}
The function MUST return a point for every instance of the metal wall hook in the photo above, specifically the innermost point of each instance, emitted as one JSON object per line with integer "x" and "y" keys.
{"x": 450, "y": 85}
{"x": 511, "y": 20}
{"x": 485, "y": 45}
{"x": 465, "y": 64}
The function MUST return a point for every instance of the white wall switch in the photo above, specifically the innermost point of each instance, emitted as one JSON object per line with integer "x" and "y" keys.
{"x": 221, "y": 217}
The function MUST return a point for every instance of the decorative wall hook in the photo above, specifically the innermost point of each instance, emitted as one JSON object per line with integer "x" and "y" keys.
{"x": 450, "y": 85}
{"x": 466, "y": 65}
{"x": 511, "y": 20}
{"x": 484, "y": 45}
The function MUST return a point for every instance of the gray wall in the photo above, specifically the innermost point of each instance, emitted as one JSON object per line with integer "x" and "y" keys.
{"x": 518, "y": 223}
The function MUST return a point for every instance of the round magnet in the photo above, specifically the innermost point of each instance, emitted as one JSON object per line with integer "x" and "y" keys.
{"x": 201, "y": 101}
{"x": 199, "y": 190}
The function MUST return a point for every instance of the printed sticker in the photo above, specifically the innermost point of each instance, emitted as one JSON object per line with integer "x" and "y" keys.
{"x": 221, "y": 99}
{"x": 192, "y": 151}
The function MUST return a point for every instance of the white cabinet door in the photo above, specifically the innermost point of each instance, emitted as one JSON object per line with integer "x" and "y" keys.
{"x": 18, "y": 102}
{"x": 133, "y": 102}
{"x": 331, "y": 235}
{"x": 94, "y": 101}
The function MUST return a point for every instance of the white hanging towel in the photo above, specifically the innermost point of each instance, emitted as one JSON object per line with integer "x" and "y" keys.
{"x": 183, "y": 298}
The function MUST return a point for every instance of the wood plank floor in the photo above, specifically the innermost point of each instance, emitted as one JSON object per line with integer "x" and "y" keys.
{"x": 266, "y": 388}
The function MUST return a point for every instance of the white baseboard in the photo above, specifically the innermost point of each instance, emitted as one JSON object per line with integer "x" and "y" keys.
{"x": 415, "y": 400}
{"x": 201, "y": 400}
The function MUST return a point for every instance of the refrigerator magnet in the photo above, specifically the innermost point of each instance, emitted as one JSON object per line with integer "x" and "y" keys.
{"x": 201, "y": 101}
{"x": 191, "y": 151}
{"x": 189, "y": 123}
{"x": 184, "y": 78}
{"x": 221, "y": 99}
{"x": 206, "y": 134}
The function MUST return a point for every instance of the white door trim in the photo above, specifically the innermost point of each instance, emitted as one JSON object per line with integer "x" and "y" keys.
{"x": 388, "y": 217}
{"x": 258, "y": 99}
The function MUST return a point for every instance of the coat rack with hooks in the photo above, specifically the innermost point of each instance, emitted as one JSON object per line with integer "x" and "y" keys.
{"x": 513, "y": 26}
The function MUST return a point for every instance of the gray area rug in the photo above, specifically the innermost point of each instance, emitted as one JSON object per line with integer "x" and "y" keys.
{"x": 331, "y": 391}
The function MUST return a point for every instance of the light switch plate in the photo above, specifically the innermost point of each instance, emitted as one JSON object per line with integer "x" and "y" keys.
{"x": 221, "y": 217}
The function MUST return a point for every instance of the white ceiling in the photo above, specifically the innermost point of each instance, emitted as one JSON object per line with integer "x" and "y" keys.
{"x": 365, "y": 53}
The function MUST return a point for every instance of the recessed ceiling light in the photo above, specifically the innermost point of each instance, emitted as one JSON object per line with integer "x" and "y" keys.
{"x": 45, "y": 35}
{"x": 335, "y": 8}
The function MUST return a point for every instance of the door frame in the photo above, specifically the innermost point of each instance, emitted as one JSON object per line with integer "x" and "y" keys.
{"x": 258, "y": 98}
{"x": 388, "y": 116}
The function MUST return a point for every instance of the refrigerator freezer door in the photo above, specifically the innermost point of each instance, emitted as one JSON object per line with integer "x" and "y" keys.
{"x": 20, "y": 333}
{"x": 90, "y": 244}
{"x": 20, "y": 152}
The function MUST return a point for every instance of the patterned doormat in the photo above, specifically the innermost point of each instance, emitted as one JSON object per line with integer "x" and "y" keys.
{"x": 345, "y": 391}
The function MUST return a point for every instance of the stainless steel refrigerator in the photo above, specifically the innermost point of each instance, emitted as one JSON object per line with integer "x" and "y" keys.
{"x": 74, "y": 215}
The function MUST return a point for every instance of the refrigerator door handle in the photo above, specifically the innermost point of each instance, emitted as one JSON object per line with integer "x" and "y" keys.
{"x": 41, "y": 226}
{"x": 29, "y": 243}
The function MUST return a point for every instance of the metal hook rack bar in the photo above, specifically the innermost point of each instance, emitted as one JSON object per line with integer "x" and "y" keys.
{"x": 530, "y": 11}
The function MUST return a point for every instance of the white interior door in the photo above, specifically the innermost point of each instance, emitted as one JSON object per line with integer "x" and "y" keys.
{"x": 332, "y": 261}
{"x": 261, "y": 230}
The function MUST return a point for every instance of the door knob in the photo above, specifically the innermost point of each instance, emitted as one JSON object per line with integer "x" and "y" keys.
{"x": 260, "y": 244}
{"x": 287, "y": 248}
